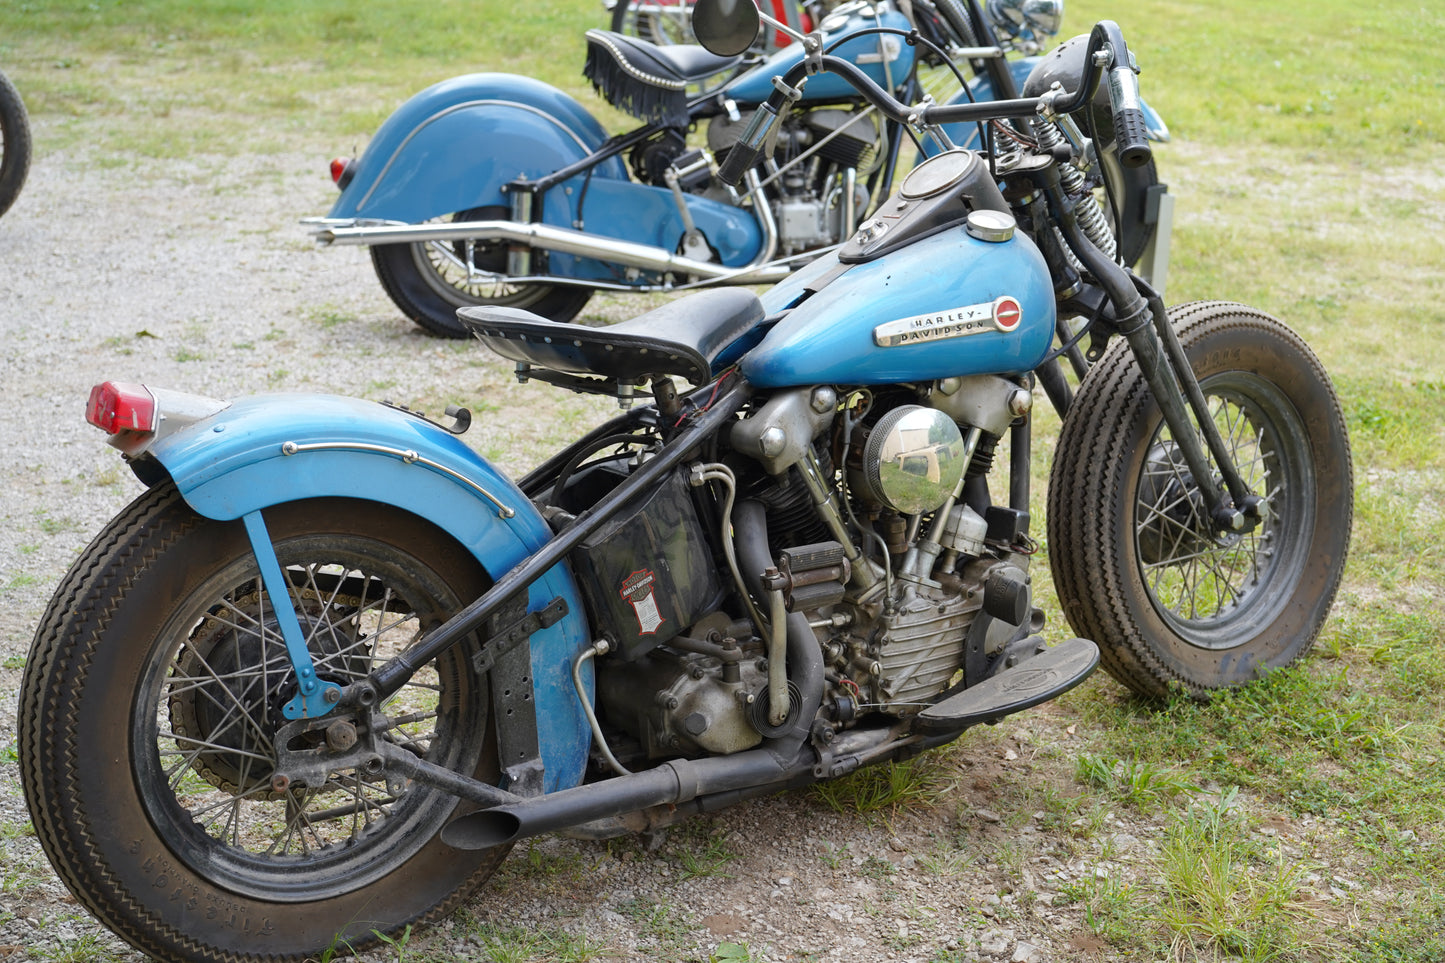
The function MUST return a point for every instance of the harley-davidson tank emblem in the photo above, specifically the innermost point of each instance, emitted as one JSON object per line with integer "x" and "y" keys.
{"x": 1001, "y": 314}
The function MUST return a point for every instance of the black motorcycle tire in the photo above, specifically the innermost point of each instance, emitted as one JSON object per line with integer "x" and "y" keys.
{"x": 414, "y": 278}
{"x": 1172, "y": 607}
{"x": 14, "y": 144}
{"x": 117, "y": 683}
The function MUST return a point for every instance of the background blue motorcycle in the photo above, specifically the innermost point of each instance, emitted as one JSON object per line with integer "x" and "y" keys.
{"x": 499, "y": 189}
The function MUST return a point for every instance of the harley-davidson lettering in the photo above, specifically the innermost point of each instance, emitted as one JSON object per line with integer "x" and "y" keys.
{"x": 1001, "y": 314}
{"x": 638, "y": 590}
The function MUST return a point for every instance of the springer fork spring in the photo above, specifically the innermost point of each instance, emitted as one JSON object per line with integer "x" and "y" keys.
{"x": 1091, "y": 217}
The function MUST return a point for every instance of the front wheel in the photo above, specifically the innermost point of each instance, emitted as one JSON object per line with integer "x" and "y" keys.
{"x": 1138, "y": 567}
{"x": 149, "y": 717}
{"x": 430, "y": 280}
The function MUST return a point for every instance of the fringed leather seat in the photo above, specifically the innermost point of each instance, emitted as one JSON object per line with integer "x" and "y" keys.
{"x": 646, "y": 80}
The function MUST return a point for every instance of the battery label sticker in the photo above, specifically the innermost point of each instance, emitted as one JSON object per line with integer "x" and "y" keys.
{"x": 638, "y": 590}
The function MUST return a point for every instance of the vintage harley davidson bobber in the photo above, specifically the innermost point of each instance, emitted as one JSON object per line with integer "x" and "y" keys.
{"x": 313, "y": 683}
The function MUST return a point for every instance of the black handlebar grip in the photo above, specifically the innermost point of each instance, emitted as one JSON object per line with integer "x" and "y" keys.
{"x": 1131, "y": 138}
{"x": 739, "y": 161}
{"x": 750, "y": 146}
{"x": 1131, "y": 134}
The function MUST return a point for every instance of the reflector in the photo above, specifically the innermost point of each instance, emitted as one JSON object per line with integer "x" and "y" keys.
{"x": 341, "y": 171}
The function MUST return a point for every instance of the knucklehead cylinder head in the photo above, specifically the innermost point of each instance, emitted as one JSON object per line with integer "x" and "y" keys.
{"x": 782, "y": 431}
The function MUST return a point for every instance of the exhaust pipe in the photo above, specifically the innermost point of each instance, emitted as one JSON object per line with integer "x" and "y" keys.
{"x": 671, "y": 783}
{"x": 545, "y": 237}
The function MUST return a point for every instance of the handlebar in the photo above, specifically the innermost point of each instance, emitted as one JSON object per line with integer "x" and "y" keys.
{"x": 745, "y": 153}
{"x": 1106, "y": 51}
{"x": 1131, "y": 141}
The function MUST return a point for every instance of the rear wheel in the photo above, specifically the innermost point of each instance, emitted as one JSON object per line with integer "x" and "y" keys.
{"x": 1137, "y": 564}
{"x": 149, "y": 722}
{"x": 430, "y": 280}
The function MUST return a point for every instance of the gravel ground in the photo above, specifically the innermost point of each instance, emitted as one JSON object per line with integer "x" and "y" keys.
{"x": 198, "y": 277}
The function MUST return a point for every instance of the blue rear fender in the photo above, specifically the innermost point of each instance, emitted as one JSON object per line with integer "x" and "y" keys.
{"x": 264, "y": 451}
{"x": 453, "y": 146}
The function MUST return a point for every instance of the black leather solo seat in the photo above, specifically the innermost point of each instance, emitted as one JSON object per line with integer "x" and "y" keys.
{"x": 682, "y": 338}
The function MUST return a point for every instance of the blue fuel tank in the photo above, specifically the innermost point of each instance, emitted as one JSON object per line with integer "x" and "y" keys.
{"x": 950, "y": 304}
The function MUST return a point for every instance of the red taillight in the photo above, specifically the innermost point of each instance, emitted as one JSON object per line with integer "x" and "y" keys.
{"x": 115, "y": 407}
{"x": 342, "y": 168}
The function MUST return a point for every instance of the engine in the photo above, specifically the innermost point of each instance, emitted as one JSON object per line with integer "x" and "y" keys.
{"x": 863, "y": 516}
{"x": 823, "y": 157}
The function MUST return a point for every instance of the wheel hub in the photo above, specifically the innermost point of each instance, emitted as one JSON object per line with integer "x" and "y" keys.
{"x": 1177, "y": 524}
{"x": 233, "y": 680}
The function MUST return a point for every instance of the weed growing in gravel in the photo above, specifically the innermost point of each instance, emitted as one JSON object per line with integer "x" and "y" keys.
{"x": 524, "y": 944}
{"x": 736, "y": 953}
{"x": 1223, "y": 892}
{"x": 661, "y": 923}
{"x": 710, "y": 858}
{"x": 1137, "y": 782}
{"x": 885, "y": 789}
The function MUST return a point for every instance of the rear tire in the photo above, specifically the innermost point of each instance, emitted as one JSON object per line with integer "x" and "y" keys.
{"x": 1137, "y": 567}
{"x": 662, "y": 22}
{"x": 150, "y": 702}
{"x": 429, "y": 281}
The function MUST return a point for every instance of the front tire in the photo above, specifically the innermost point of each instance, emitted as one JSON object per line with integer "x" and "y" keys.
{"x": 148, "y": 707}
{"x": 1136, "y": 564}
{"x": 430, "y": 280}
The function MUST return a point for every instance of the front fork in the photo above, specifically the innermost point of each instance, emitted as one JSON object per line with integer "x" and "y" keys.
{"x": 1166, "y": 369}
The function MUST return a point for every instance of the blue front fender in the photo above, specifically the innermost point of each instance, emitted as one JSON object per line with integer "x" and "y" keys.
{"x": 264, "y": 451}
{"x": 453, "y": 146}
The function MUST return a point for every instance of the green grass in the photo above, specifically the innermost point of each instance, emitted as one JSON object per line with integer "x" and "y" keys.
{"x": 1334, "y": 75}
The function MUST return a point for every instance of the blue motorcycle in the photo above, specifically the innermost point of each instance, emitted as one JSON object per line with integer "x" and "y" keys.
{"x": 307, "y": 690}
{"x": 495, "y": 189}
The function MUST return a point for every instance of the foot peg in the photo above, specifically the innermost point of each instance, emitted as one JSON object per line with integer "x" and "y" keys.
{"x": 1047, "y": 675}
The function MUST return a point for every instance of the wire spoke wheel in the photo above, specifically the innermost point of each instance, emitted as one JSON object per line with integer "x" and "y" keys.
{"x": 430, "y": 280}
{"x": 153, "y": 724}
{"x": 1138, "y": 564}
{"x": 1201, "y": 581}
{"x": 212, "y": 715}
